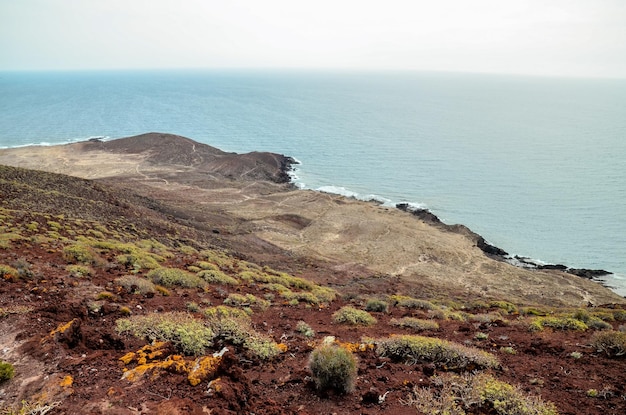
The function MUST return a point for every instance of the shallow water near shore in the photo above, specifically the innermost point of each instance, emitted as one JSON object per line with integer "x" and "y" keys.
{"x": 535, "y": 165}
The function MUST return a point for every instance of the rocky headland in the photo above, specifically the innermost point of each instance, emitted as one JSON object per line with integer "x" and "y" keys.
{"x": 86, "y": 227}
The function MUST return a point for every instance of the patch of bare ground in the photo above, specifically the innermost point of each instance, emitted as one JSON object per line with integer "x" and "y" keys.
{"x": 78, "y": 262}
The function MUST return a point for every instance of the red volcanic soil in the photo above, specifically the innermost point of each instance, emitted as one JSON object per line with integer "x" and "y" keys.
{"x": 58, "y": 321}
{"x": 89, "y": 352}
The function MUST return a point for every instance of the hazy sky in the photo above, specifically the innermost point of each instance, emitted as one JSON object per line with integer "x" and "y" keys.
{"x": 539, "y": 37}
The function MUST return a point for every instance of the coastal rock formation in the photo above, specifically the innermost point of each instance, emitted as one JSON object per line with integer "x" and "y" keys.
{"x": 244, "y": 200}
{"x": 170, "y": 285}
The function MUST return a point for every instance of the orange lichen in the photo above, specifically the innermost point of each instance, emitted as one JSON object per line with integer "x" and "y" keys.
{"x": 62, "y": 328}
{"x": 197, "y": 370}
{"x": 128, "y": 357}
{"x": 67, "y": 381}
{"x": 356, "y": 347}
{"x": 203, "y": 368}
{"x": 146, "y": 353}
{"x": 282, "y": 347}
{"x": 173, "y": 363}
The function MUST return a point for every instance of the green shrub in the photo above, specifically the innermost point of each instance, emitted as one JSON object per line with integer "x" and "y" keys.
{"x": 352, "y": 316}
{"x": 217, "y": 277}
{"x": 139, "y": 261}
{"x": 509, "y": 400}
{"x": 508, "y": 350}
{"x": 207, "y": 266}
{"x": 410, "y": 302}
{"x": 455, "y": 394}
{"x": 481, "y": 336}
{"x": 557, "y": 323}
{"x": 136, "y": 285}
{"x": 81, "y": 254}
{"x": 504, "y": 305}
{"x": 619, "y": 315}
{"x": 239, "y": 332}
{"x": 173, "y": 276}
{"x": 248, "y": 300}
{"x": 105, "y": 295}
{"x": 187, "y": 250}
{"x": 612, "y": 343}
{"x": 81, "y": 271}
{"x": 534, "y": 311}
{"x": 222, "y": 311}
{"x": 193, "y": 307}
{"x": 416, "y": 324}
{"x": 6, "y": 239}
{"x": 187, "y": 334}
{"x": 598, "y": 324}
{"x": 304, "y": 329}
{"x": 333, "y": 367}
{"x": 412, "y": 349}
{"x": 6, "y": 371}
{"x": 8, "y": 272}
{"x": 376, "y": 305}
{"x": 485, "y": 318}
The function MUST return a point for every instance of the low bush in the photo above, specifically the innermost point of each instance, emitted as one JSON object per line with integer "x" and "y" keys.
{"x": 6, "y": 371}
{"x": 557, "y": 323}
{"x": 80, "y": 271}
{"x": 333, "y": 367}
{"x": 81, "y": 254}
{"x": 485, "y": 318}
{"x": 376, "y": 305}
{"x": 248, "y": 300}
{"x": 352, "y": 316}
{"x": 222, "y": 311}
{"x": 413, "y": 348}
{"x": 239, "y": 332}
{"x": 173, "y": 276}
{"x": 304, "y": 329}
{"x": 410, "y": 302}
{"x": 504, "y": 305}
{"x": 138, "y": 261}
{"x": 7, "y": 272}
{"x": 612, "y": 343}
{"x": 455, "y": 394}
{"x": 416, "y": 324}
{"x": 136, "y": 285}
{"x": 217, "y": 277}
{"x": 619, "y": 315}
{"x": 187, "y": 334}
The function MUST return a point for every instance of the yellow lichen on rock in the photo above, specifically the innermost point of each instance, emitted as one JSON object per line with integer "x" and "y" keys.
{"x": 128, "y": 357}
{"x": 173, "y": 363}
{"x": 203, "y": 368}
{"x": 62, "y": 328}
{"x": 67, "y": 382}
{"x": 356, "y": 347}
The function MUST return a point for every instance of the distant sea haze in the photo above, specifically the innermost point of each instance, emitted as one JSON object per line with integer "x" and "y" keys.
{"x": 537, "y": 166}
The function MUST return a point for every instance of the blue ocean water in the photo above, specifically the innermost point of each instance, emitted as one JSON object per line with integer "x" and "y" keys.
{"x": 535, "y": 165}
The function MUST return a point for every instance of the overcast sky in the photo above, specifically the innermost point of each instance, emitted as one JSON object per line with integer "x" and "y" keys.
{"x": 537, "y": 37}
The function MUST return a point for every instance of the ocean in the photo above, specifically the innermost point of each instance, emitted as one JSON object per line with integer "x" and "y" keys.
{"x": 537, "y": 166}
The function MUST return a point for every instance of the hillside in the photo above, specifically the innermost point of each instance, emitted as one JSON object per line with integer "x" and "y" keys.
{"x": 117, "y": 295}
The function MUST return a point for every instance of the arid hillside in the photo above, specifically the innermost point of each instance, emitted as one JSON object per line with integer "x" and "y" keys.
{"x": 245, "y": 199}
{"x": 169, "y": 284}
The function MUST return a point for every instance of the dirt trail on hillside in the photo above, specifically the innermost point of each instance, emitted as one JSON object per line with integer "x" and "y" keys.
{"x": 226, "y": 194}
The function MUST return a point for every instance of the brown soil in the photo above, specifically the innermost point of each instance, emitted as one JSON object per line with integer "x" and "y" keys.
{"x": 360, "y": 249}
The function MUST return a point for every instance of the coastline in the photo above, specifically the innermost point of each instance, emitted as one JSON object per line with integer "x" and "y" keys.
{"x": 238, "y": 202}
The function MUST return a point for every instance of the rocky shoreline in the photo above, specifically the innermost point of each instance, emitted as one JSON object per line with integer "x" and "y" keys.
{"x": 250, "y": 201}
{"x": 499, "y": 253}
